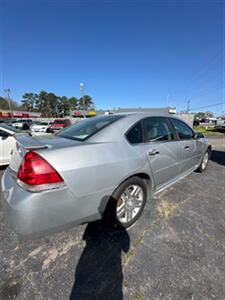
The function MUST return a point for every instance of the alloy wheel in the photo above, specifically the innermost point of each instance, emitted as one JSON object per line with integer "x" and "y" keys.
{"x": 205, "y": 160}
{"x": 129, "y": 203}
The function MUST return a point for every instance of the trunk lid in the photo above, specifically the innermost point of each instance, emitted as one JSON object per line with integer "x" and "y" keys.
{"x": 25, "y": 143}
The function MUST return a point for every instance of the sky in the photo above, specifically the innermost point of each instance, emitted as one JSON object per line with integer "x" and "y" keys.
{"x": 127, "y": 53}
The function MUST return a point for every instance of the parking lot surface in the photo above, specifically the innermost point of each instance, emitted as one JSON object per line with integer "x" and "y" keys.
{"x": 175, "y": 251}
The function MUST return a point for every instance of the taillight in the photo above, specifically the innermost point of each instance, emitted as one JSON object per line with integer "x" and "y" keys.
{"x": 35, "y": 170}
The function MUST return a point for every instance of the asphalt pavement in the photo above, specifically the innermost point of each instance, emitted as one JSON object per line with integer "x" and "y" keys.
{"x": 175, "y": 251}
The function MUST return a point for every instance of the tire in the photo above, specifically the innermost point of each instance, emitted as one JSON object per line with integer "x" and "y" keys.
{"x": 25, "y": 127}
{"x": 123, "y": 208}
{"x": 205, "y": 161}
{"x": 49, "y": 130}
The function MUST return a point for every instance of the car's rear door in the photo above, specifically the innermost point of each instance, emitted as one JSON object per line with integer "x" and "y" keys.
{"x": 191, "y": 149}
{"x": 162, "y": 150}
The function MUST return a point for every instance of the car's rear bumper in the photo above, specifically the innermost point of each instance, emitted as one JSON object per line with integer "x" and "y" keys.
{"x": 31, "y": 214}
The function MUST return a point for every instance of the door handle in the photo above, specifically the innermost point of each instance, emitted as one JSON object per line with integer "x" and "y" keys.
{"x": 186, "y": 147}
{"x": 153, "y": 152}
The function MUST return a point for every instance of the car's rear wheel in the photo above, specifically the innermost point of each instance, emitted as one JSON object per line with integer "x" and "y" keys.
{"x": 205, "y": 161}
{"x": 128, "y": 202}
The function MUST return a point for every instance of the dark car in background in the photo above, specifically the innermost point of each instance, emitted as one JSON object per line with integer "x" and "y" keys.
{"x": 8, "y": 122}
{"x": 58, "y": 124}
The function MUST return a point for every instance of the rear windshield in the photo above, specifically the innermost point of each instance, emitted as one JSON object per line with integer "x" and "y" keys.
{"x": 86, "y": 128}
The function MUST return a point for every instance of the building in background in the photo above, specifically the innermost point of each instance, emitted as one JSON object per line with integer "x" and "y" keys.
{"x": 79, "y": 113}
{"x": 18, "y": 114}
{"x": 76, "y": 114}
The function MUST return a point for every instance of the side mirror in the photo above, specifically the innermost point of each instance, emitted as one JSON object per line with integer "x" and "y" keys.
{"x": 198, "y": 136}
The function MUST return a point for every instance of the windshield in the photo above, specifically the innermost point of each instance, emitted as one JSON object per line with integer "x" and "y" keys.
{"x": 86, "y": 128}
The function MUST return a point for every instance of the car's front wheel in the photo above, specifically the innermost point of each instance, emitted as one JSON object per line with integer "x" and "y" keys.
{"x": 128, "y": 202}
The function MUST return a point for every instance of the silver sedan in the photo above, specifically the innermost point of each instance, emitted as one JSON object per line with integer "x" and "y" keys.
{"x": 104, "y": 166}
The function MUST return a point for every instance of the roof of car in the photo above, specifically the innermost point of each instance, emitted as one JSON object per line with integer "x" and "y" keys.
{"x": 143, "y": 114}
{"x": 117, "y": 129}
{"x": 8, "y": 128}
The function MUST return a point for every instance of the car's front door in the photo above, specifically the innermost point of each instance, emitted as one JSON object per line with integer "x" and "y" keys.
{"x": 162, "y": 150}
{"x": 191, "y": 149}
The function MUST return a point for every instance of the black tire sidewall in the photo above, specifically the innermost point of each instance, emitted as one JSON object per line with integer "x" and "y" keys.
{"x": 200, "y": 168}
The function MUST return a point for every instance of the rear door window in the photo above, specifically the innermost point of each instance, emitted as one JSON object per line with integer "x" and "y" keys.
{"x": 157, "y": 129}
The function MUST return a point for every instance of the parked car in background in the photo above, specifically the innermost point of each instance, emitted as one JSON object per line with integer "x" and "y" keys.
{"x": 7, "y": 143}
{"x": 9, "y": 121}
{"x": 22, "y": 124}
{"x": 103, "y": 166}
{"x": 220, "y": 124}
{"x": 40, "y": 126}
{"x": 58, "y": 124}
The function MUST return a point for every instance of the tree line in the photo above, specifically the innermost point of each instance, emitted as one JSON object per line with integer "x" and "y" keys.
{"x": 4, "y": 104}
{"x": 49, "y": 104}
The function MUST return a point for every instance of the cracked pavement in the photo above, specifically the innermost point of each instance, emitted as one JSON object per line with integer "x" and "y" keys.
{"x": 175, "y": 251}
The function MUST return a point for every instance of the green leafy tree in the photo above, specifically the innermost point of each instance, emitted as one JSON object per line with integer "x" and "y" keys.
{"x": 62, "y": 107}
{"x": 89, "y": 104}
{"x": 48, "y": 104}
{"x": 29, "y": 102}
{"x": 66, "y": 105}
{"x": 51, "y": 105}
{"x": 204, "y": 115}
{"x": 41, "y": 102}
{"x": 73, "y": 102}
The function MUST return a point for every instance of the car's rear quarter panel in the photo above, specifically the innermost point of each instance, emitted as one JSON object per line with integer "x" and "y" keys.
{"x": 91, "y": 173}
{"x": 95, "y": 170}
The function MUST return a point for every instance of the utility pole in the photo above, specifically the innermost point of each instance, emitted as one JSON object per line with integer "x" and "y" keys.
{"x": 8, "y": 91}
{"x": 167, "y": 100}
{"x": 188, "y": 105}
{"x": 83, "y": 99}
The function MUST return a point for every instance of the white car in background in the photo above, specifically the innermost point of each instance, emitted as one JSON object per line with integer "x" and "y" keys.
{"x": 40, "y": 126}
{"x": 22, "y": 124}
{"x": 7, "y": 143}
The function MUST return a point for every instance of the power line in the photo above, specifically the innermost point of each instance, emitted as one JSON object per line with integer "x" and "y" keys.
{"x": 188, "y": 105}
{"x": 208, "y": 92}
{"x": 206, "y": 106}
{"x": 205, "y": 71}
